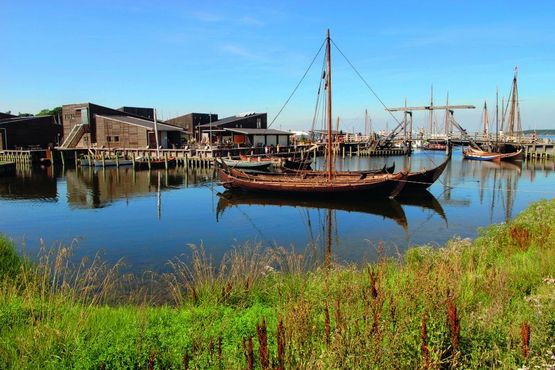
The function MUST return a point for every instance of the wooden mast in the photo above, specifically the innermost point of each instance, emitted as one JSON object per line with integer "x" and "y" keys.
{"x": 496, "y": 117}
{"x": 156, "y": 135}
{"x": 328, "y": 58}
{"x": 512, "y": 112}
{"x": 485, "y": 119}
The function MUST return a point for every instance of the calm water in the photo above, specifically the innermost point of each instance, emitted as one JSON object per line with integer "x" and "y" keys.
{"x": 150, "y": 217}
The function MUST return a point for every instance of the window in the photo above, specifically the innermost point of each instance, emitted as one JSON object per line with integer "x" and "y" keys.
{"x": 258, "y": 123}
{"x": 116, "y": 139}
{"x": 109, "y": 139}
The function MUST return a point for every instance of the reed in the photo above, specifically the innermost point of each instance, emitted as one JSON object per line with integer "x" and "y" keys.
{"x": 263, "y": 353}
{"x": 525, "y": 339}
{"x": 281, "y": 346}
{"x": 424, "y": 347}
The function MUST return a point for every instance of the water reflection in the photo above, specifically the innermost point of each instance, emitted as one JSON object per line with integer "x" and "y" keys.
{"x": 30, "y": 183}
{"x": 97, "y": 188}
{"x": 386, "y": 208}
{"x": 149, "y": 218}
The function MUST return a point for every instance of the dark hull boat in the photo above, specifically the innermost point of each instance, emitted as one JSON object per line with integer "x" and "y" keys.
{"x": 380, "y": 185}
{"x": 423, "y": 179}
{"x": 377, "y": 171}
{"x": 386, "y": 208}
{"x": 318, "y": 182}
{"x": 297, "y": 164}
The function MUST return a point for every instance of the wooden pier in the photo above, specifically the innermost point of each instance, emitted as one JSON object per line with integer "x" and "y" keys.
{"x": 539, "y": 151}
{"x": 22, "y": 156}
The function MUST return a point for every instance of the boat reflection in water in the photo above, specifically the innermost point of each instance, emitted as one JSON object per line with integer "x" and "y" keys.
{"x": 386, "y": 208}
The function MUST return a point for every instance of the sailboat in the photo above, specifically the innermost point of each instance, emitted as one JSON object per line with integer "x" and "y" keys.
{"x": 319, "y": 182}
{"x": 514, "y": 116}
{"x": 158, "y": 162}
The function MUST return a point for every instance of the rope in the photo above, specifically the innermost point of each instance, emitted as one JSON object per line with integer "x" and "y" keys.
{"x": 299, "y": 84}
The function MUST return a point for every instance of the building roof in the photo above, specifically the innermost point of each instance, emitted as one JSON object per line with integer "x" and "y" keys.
{"x": 238, "y": 117}
{"x": 149, "y": 125}
{"x": 6, "y": 115}
{"x": 23, "y": 119}
{"x": 258, "y": 131}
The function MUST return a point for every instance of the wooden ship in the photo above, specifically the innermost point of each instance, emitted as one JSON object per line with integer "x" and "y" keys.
{"x": 318, "y": 182}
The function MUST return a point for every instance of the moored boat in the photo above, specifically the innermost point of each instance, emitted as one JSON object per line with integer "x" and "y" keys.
{"x": 144, "y": 163}
{"x": 251, "y": 165}
{"x": 480, "y": 155}
{"x": 112, "y": 162}
{"x": 423, "y": 179}
{"x": 317, "y": 182}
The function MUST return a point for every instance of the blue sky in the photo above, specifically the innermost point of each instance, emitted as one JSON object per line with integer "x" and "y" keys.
{"x": 229, "y": 56}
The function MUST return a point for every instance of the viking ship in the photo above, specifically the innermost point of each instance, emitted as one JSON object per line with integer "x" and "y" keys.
{"x": 319, "y": 182}
{"x": 424, "y": 178}
{"x": 475, "y": 153}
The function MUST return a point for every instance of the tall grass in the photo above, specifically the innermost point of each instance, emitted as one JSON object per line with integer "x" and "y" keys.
{"x": 470, "y": 304}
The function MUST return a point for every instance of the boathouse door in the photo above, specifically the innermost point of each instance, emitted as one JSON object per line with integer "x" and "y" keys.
{"x": 3, "y": 139}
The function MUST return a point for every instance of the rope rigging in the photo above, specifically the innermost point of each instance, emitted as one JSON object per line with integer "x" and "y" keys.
{"x": 298, "y": 84}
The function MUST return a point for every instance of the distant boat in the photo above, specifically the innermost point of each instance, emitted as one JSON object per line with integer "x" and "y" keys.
{"x": 251, "y": 165}
{"x": 476, "y": 153}
{"x": 434, "y": 146}
{"x": 112, "y": 162}
{"x": 144, "y": 163}
{"x": 480, "y": 155}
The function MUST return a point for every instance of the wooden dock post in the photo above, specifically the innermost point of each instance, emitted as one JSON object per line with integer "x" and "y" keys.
{"x": 117, "y": 160}
{"x": 103, "y": 160}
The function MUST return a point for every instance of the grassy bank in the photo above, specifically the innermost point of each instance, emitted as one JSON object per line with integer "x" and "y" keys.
{"x": 472, "y": 304}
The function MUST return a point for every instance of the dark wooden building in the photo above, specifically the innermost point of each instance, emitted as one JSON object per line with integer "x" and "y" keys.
{"x": 6, "y": 115}
{"x": 147, "y": 113}
{"x": 89, "y": 125}
{"x": 132, "y": 132}
{"x": 29, "y": 132}
{"x": 258, "y": 136}
{"x": 189, "y": 122}
{"x": 242, "y": 120}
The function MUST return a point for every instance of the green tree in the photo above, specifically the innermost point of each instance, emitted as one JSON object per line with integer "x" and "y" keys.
{"x": 50, "y": 112}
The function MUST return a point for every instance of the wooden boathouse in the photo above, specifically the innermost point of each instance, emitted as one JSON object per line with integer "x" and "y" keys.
{"x": 88, "y": 125}
{"x": 24, "y": 133}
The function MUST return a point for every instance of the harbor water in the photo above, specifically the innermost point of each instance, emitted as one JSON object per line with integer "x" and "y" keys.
{"x": 147, "y": 217}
